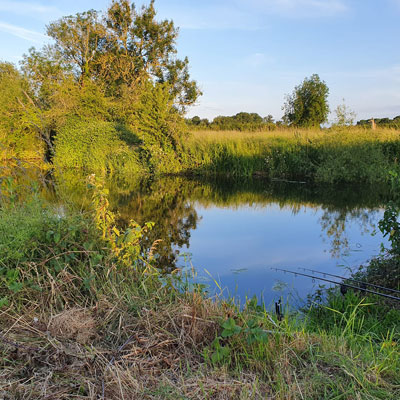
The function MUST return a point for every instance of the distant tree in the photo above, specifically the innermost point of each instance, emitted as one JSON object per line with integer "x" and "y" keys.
{"x": 249, "y": 118}
{"x": 269, "y": 119}
{"x": 308, "y": 105}
{"x": 343, "y": 115}
{"x": 196, "y": 120}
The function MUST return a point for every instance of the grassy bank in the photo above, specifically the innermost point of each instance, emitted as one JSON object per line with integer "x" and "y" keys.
{"x": 336, "y": 155}
{"x": 85, "y": 314}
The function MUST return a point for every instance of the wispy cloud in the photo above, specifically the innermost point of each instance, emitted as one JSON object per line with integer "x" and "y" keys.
{"x": 299, "y": 8}
{"x": 36, "y": 10}
{"x": 247, "y": 15}
{"x": 215, "y": 16}
{"x": 22, "y": 33}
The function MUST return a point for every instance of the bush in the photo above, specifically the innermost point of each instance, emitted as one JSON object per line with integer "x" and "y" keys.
{"x": 95, "y": 147}
{"x": 38, "y": 241}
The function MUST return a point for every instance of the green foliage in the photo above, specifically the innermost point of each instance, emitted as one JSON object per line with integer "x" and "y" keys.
{"x": 355, "y": 316}
{"x": 230, "y": 328}
{"x": 241, "y": 336}
{"x": 160, "y": 127}
{"x": 121, "y": 48}
{"x": 118, "y": 68}
{"x": 243, "y": 121}
{"x": 308, "y": 105}
{"x": 393, "y": 123}
{"x": 389, "y": 225}
{"x": 34, "y": 236}
{"x": 20, "y": 123}
{"x": 344, "y": 116}
{"x": 94, "y": 146}
{"x": 331, "y": 156}
{"x": 125, "y": 245}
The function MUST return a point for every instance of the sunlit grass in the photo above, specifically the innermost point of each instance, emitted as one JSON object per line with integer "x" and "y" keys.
{"x": 333, "y": 155}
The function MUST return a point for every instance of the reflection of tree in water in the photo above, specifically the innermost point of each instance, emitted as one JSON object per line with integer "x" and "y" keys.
{"x": 335, "y": 221}
{"x": 169, "y": 203}
{"x": 164, "y": 202}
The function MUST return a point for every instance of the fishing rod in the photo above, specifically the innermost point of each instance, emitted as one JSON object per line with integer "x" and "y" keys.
{"x": 388, "y": 296}
{"x": 352, "y": 280}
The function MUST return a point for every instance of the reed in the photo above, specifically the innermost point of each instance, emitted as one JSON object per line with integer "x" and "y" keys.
{"x": 334, "y": 155}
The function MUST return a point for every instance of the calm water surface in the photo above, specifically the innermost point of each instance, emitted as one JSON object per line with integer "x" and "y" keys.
{"x": 234, "y": 232}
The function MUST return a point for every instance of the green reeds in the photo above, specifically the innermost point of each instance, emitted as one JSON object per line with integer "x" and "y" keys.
{"x": 332, "y": 156}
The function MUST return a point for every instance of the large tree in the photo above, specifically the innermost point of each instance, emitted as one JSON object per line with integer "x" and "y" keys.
{"x": 308, "y": 105}
{"x": 119, "y": 50}
{"x": 120, "y": 67}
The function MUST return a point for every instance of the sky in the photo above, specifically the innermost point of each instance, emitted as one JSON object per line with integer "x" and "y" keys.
{"x": 246, "y": 55}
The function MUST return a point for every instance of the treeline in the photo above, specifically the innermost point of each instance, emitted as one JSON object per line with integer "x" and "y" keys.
{"x": 108, "y": 94}
{"x": 383, "y": 122}
{"x": 242, "y": 121}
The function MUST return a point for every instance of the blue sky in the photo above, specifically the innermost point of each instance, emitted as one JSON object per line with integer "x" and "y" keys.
{"x": 247, "y": 54}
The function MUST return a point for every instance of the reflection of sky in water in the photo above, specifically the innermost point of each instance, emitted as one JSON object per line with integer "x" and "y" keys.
{"x": 238, "y": 246}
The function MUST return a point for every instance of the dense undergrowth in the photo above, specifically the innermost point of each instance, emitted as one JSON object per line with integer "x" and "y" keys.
{"x": 86, "y": 314}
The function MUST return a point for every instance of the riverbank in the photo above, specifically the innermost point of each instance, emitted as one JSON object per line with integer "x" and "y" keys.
{"x": 351, "y": 155}
{"x": 336, "y": 155}
{"x": 84, "y": 313}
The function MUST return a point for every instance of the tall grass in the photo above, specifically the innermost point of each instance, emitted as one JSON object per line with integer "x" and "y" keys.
{"x": 332, "y": 156}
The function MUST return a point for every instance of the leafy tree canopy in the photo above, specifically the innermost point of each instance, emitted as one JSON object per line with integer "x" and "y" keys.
{"x": 119, "y": 50}
{"x": 308, "y": 105}
{"x": 20, "y": 124}
{"x": 344, "y": 116}
{"x": 242, "y": 121}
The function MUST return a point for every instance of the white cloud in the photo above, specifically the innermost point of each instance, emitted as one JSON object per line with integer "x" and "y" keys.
{"x": 28, "y": 8}
{"x": 22, "y": 33}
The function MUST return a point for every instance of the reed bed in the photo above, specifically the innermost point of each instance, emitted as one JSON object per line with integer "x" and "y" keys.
{"x": 336, "y": 155}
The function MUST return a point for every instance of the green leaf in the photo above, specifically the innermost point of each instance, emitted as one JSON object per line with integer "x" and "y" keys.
{"x": 4, "y": 302}
{"x": 230, "y": 328}
{"x": 15, "y": 286}
{"x": 57, "y": 237}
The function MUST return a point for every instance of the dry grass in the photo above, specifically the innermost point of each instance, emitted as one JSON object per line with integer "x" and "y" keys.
{"x": 296, "y": 134}
{"x": 105, "y": 352}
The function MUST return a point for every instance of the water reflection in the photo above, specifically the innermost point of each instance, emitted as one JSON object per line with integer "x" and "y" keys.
{"x": 237, "y": 229}
{"x": 173, "y": 203}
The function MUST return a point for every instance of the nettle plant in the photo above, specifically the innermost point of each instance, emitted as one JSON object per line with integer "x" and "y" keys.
{"x": 250, "y": 332}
